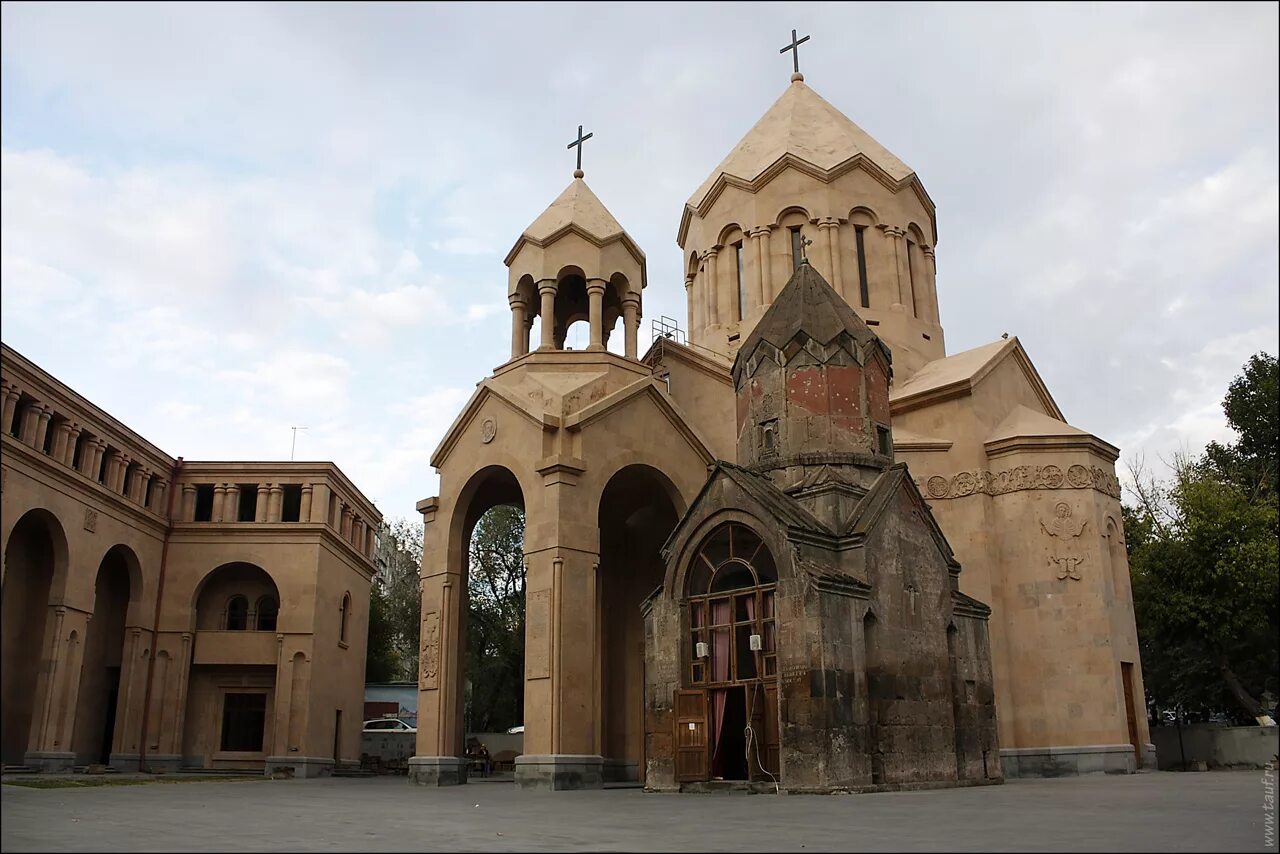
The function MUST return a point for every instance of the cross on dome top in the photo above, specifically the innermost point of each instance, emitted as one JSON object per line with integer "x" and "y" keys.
{"x": 578, "y": 173}
{"x": 794, "y": 47}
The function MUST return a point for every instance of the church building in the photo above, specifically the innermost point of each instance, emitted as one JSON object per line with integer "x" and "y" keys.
{"x": 744, "y": 545}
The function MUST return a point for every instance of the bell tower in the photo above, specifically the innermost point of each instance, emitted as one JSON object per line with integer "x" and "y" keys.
{"x": 807, "y": 174}
{"x": 575, "y": 262}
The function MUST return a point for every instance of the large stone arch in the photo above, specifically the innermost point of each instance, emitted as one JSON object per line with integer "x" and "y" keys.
{"x": 116, "y": 602}
{"x": 213, "y": 594}
{"x": 35, "y": 557}
{"x": 637, "y": 509}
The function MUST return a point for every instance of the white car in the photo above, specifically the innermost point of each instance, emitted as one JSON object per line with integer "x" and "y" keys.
{"x": 388, "y": 725}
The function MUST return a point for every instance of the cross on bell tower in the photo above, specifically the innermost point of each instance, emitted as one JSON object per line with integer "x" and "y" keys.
{"x": 578, "y": 173}
{"x": 794, "y": 47}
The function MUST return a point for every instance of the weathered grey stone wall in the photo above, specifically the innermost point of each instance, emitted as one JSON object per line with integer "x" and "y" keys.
{"x": 977, "y": 747}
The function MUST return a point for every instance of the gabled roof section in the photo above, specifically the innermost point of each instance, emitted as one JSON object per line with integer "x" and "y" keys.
{"x": 806, "y": 304}
{"x": 805, "y": 125}
{"x": 580, "y": 210}
{"x": 783, "y": 506}
{"x": 867, "y": 513}
{"x": 957, "y": 375}
{"x": 1024, "y": 421}
{"x": 489, "y": 389}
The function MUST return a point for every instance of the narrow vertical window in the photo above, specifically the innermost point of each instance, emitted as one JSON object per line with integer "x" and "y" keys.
{"x": 797, "y": 247}
{"x": 742, "y": 291}
{"x": 863, "y": 290}
{"x": 911, "y": 277}
{"x": 237, "y": 614}
{"x": 343, "y": 618}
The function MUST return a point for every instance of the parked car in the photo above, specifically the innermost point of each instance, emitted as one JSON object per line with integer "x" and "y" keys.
{"x": 388, "y": 725}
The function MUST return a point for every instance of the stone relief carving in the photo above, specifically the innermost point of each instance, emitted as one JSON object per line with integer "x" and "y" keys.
{"x": 1020, "y": 478}
{"x": 488, "y": 429}
{"x": 90, "y": 520}
{"x": 1065, "y": 532}
{"x": 430, "y": 664}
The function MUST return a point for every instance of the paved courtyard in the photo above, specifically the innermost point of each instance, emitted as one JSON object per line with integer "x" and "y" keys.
{"x": 1150, "y": 812}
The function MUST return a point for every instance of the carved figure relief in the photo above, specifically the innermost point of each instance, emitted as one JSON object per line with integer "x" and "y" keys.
{"x": 90, "y": 519}
{"x": 430, "y": 664}
{"x": 488, "y": 430}
{"x": 1065, "y": 533}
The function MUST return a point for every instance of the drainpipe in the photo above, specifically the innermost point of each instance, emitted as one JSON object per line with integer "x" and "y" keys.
{"x": 155, "y": 622}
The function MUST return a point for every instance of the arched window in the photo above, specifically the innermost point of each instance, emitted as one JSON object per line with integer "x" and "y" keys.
{"x": 237, "y": 614}
{"x": 344, "y": 617}
{"x": 268, "y": 611}
{"x": 731, "y": 588}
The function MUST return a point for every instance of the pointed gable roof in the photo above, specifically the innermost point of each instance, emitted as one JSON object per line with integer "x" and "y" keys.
{"x": 576, "y": 209}
{"x": 806, "y": 304}
{"x": 804, "y": 125}
{"x": 1025, "y": 421}
{"x": 957, "y": 375}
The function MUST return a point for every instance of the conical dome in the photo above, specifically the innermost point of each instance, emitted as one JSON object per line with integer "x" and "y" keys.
{"x": 576, "y": 209}
{"x": 802, "y": 124}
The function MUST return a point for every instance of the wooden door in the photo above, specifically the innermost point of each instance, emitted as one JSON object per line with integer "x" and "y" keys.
{"x": 755, "y": 718}
{"x": 691, "y": 735}
{"x": 772, "y": 739}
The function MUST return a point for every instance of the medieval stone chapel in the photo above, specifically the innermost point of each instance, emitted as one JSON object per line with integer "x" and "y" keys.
{"x": 744, "y": 546}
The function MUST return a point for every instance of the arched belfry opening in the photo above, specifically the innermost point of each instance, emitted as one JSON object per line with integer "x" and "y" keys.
{"x": 639, "y": 507}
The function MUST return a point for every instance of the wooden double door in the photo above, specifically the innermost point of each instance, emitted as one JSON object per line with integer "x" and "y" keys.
{"x": 727, "y": 733}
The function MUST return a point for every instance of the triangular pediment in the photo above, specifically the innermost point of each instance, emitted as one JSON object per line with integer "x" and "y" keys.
{"x": 959, "y": 375}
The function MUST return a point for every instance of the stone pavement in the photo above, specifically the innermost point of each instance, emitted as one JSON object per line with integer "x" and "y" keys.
{"x": 1220, "y": 811}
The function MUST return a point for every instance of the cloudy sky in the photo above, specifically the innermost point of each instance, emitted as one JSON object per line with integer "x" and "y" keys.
{"x": 223, "y": 221}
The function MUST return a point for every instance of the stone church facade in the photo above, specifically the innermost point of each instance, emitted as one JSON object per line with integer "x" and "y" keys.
{"x": 630, "y": 467}
{"x": 162, "y": 614}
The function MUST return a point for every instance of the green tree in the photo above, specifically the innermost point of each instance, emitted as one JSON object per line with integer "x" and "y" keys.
{"x": 395, "y": 602}
{"x": 1203, "y": 551}
{"x": 1253, "y": 460}
{"x": 381, "y": 663}
{"x": 495, "y": 622}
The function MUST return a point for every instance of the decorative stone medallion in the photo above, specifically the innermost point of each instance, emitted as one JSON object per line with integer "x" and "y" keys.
{"x": 488, "y": 429}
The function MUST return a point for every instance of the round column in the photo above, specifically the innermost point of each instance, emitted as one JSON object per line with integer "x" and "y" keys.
{"x": 631, "y": 323}
{"x": 595, "y": 313}
{"x": 519, "y": 343}
{"x": 547, "y": 293}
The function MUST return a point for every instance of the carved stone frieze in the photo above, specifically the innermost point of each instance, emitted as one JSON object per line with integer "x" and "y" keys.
{"x": 1019, "y": 478}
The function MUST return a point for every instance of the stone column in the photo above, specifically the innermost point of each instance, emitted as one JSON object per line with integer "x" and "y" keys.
{"x": 712, "y": 287}
{"x": 188, "y": 512}
{"x": 319, "y": 503}
{"x": 59, "y": 448}
{"x": 30, "y": 424}
{"x": 547, "y": 292}
{"x": 898, "y": 249}
{"x": 95, "y": 459}
{"x": 689, "y": 304}
{"x": 761, "y": 256}
{"x": 438, "y": 759}
{"x": 766, "y": 265}
{"x": 275, "y": 501}
{"x": 830, "y": 226}
{"x": 11, "y": 396}
{"x": 347, "y": 518}
{"x": 631, "y": 324}
{"x": 159, "y": 491}
{"x": 260, "y": 507}
{"x": 304, "y": 510}
{"x": 122, "y": 474}
{"x": 519, "y": 344}
{"x": 219, "y": 501}
{"x": 42, "y": 426}
{"x": 57, "y": 687}
{"x": 69, "y": 444}
{"x": 931, "y": 284}
{"x": 595, "y": 313}
{"x": 114, "y": 470}
{"x": 820, "y": 257}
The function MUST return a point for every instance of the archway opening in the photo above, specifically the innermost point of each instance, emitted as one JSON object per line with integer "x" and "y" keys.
{"x": 638, "y": 510}
{"x": 231, "y": 693}
{"x": 494, "y": 639}
{"x": 103, "y": 653}
{"x": 30, "y": 557}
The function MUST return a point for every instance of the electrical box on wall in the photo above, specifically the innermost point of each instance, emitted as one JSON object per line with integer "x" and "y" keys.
{"x": 701, "y": 649}
{"x": 756, "y": 645}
